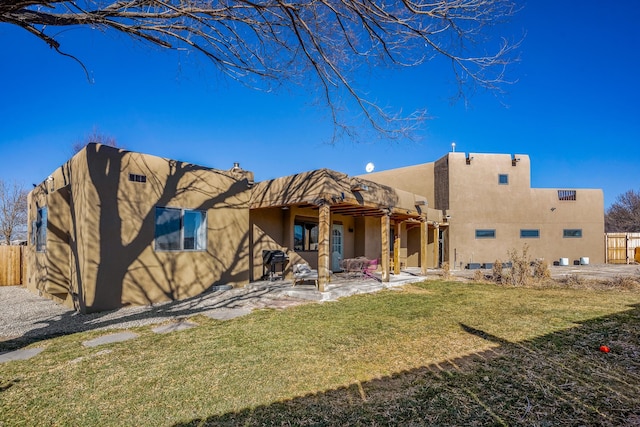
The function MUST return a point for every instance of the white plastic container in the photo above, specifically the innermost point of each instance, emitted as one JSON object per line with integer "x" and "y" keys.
{"x": 564, "y": 261}
{"x": 584, "y": 260}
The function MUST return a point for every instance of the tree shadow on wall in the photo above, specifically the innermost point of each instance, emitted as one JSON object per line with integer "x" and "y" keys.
{"x": 98, "y": 243}
{"x": 171, "y": 182}
{"x": 558, "y": 379}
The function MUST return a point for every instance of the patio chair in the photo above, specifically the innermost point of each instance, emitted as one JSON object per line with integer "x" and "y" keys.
{"x": 302, "y": 272}
{"x": 369, "y": 269}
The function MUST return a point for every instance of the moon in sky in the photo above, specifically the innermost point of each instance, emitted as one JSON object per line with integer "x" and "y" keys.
{"x": 369, "y": 168}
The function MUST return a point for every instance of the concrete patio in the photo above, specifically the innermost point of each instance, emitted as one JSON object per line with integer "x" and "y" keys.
{"x": 342, "y": 285}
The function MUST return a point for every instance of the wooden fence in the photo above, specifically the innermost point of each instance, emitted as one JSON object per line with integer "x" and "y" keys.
{"x": 622, "y": 248}
{"x": 11, "y": 265}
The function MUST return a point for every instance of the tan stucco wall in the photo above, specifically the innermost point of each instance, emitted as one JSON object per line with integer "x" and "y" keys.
{"x": 372, "y": 238}
{"x": 478, "y": 201}
{"x": 267, "y": 227}
{"x": 413, "y": 247}
{"x": 469, "y": 191}
{"x": 50, "y": 272}
{"x": 349, "y": 238}
{"x": 418, "y": 179}
{"x": 113, "y": 221}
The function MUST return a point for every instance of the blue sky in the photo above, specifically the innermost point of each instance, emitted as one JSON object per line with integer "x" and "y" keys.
{"x": 573, "y": 109}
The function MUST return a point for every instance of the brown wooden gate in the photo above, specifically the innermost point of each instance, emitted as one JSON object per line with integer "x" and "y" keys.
{"x": 11, "y": 263}
{"x": 621, "y": 247}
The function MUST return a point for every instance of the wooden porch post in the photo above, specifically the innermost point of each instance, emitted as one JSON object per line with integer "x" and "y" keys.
{"x": 436, "y": 245}
{"x": 324, "y": 221}
{"x": 397, "y": 229}
{"x": 424, "y": 246}
{"x": 384, "y": 229}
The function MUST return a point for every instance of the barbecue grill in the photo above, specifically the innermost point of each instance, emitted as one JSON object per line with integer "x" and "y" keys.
{"x": 271, "y": 259}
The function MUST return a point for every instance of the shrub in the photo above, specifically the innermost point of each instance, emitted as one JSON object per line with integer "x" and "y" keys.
{"x": 624, "y": 282}
{"x": 520, "y": 272}
{"x": 541, "y": 270}
{"x": 573, "y": 280}
{"x": 446, "y": 271}
{"x": 478, "y": 276}
{"x": 496, "y": 272}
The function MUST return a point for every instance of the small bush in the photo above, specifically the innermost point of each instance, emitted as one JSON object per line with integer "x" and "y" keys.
{"x": 573, "y": 280}
{"x": 541, "y": 270}
{"x": 496, "y": 272}
{"x": 446, "y": 271}
{"x": 478, "y": 276}
{"x": 625, "y": 283}
{"x": 620, "y": 283}
{"x": 520, "y": 272}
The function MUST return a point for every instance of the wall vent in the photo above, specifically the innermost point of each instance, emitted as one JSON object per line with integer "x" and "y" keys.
{"x": 137, "y": 178}
{"x": 566, "y": 194}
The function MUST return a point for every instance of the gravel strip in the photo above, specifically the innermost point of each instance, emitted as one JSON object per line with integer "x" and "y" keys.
{"x": 25, "y": 315}
{"x": 590, "y": 271}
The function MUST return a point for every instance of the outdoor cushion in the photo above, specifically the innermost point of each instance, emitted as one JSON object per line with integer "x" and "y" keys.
{"x": 302, "y": 272}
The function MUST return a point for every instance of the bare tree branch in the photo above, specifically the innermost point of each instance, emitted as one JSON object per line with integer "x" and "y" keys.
{"x": 265, "y": 42}
{"x": 13, "y": 210}
{"x": 96, "y": 136}
{"x": 624, "y": 214}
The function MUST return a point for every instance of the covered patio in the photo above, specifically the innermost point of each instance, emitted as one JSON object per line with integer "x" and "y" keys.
{"x": 322, "y": 217}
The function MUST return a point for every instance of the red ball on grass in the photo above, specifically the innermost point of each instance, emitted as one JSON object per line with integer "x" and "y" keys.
{"x": 604, "y": 349}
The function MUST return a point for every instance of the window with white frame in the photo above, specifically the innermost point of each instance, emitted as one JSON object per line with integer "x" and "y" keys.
{"x": 180, "y": 229}
{"x": 39, "y": 230}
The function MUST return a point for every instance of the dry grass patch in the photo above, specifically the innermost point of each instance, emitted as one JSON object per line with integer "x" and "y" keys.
{"x": 437, "y": 352}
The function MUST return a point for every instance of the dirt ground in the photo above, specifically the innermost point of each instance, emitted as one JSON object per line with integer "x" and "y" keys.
{"x": 591, "y": 271}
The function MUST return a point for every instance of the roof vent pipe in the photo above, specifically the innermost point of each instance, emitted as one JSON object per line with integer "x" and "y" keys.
{"x": 236, "y": 167}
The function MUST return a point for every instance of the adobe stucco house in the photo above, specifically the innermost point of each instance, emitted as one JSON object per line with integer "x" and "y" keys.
{"x": 112, "y": 227}
{"x": 491, "y": 208}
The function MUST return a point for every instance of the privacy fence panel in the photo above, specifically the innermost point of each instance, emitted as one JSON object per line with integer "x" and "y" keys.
{"x": 622, "y": 247}
{"x": 11, "y": 264}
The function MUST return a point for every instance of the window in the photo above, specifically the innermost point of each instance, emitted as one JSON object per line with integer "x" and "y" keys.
{"x": 39, "y": 230}
{"x": 137, "y": 178}
{"x": 566, "y": 194}
{"x": 305, "y": 236}
{"x": 529, "y": 234}
{"x": 180, "y": 230}
{"x": 503, "y": 179}
{"x": 485, "y": 234}
{"x": 572, "y": 233}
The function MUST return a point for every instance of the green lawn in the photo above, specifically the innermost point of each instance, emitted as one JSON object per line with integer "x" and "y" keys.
{"x": 431, "y": 353}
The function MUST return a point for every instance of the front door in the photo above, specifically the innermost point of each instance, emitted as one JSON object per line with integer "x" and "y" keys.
{"x": 337, "y": 247}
